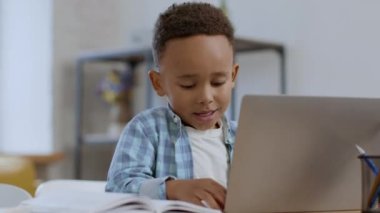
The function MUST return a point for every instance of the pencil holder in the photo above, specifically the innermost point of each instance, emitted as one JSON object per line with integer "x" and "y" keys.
{"x": 370, "y": 167}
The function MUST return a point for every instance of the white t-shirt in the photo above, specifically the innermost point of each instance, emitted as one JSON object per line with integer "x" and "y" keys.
{"x": 209, "y": 154}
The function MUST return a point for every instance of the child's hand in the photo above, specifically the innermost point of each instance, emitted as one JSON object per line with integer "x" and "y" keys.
{"x": 196, "y": 190}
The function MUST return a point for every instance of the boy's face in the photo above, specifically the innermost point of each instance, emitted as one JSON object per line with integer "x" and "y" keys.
{"x": 197, "y": 75}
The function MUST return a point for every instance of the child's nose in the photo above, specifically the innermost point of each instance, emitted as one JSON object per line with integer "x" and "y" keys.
{"x": 206, "y": 96}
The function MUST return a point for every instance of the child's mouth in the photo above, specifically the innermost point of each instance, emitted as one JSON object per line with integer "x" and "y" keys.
{"x": 205, "y": 116}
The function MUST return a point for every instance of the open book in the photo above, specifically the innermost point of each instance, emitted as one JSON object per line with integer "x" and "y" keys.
{"x": 78, "y": 201}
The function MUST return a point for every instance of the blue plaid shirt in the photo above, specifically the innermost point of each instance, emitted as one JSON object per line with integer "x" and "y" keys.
{"x": 153, "y": 147}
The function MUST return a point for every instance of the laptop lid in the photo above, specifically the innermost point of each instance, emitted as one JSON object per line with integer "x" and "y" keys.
{"x": 298, "y": 153}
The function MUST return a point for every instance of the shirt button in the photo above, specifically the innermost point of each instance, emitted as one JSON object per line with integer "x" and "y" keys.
{"x": 175, "y": 119}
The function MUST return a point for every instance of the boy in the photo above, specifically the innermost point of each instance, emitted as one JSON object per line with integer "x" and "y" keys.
{"x": 183, "y": 151}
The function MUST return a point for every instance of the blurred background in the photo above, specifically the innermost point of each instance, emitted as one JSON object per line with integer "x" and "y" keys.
{"x": 49, "y": 49}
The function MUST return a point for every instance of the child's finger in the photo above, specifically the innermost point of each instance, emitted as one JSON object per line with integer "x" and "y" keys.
{"x": 207, "y": 200}
{"x": 219, "y": 198}
{"x": 217, "y": 191}
{"x": 212, "y": 185}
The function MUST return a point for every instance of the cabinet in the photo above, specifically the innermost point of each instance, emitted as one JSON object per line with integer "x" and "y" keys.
{"x": 133, "y": 58}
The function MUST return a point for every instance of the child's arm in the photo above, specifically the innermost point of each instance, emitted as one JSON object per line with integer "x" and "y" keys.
{"x": 132, "y": 163}
{"x": 197, "y": 191}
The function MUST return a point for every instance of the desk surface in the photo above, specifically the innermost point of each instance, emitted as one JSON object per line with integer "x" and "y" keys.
{"x": 357, "y": 211}
{"x": 25, "y": 210}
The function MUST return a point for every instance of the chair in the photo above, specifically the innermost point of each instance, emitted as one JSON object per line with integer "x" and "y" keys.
{"x": 19, "y": 172}
{"x": 68, "y": 184}
{"x": 12, "y": 196}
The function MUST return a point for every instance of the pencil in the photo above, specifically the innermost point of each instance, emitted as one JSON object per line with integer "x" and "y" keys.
{"x": 375, "y": 190}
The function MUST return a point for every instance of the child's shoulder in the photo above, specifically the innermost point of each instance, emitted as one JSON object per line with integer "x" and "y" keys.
{"x": 152, "y": 115}
{"x": 233, "y": 125}
{"x": 161, "y": 111}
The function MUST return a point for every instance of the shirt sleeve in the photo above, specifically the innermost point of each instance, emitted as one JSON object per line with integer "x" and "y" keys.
{"x": 131, "y": 169}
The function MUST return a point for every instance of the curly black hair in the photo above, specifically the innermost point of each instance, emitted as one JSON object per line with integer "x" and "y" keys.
{"x": 187, "y": 19}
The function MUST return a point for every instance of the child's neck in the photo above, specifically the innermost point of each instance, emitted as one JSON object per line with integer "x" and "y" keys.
{"x": 216, "y": 126}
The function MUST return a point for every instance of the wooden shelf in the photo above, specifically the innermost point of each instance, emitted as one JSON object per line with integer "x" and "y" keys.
{"x": 45, "y": 159}
{"x": 136, "y": 56}
{"x": 248, "y": 45}
{"x": 100, "y": 138}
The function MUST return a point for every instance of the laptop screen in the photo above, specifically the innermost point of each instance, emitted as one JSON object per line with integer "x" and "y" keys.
{"x": 298, "y": 153}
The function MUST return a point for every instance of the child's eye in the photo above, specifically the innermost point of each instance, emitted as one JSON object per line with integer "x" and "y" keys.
{"x": 217, "y": 84}
{"x": 187, "y": 86}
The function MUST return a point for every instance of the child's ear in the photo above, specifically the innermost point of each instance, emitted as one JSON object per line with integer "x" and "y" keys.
{"x": 235, "y": 71}
{"x": 155, "y": 79}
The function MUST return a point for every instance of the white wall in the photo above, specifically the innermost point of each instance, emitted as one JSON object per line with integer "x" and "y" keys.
{"x": 332, "y": 46}
{"x": 26, "y": 113}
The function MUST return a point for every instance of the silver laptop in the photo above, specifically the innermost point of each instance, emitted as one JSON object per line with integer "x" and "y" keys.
{"x": 297, "y": 154}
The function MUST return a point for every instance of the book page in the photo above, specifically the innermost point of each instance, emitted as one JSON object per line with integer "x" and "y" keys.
{"x": 78, "y": 201}
{"x": 162, "y": 206}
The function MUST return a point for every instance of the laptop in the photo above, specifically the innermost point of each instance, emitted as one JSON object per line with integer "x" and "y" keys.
{"x": 298, "y": 154}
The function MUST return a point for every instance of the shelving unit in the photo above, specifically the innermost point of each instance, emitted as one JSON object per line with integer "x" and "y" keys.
{"x": 135, "y": 57}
